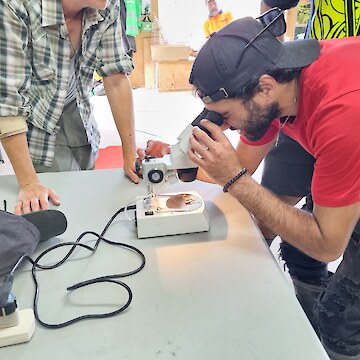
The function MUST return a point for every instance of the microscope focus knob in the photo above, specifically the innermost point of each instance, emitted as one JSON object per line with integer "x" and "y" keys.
{"x": 155, "y": 176}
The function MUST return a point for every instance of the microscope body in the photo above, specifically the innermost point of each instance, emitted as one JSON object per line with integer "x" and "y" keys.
{"x": 168, "y": 214}
{"x": 156, "y": 171}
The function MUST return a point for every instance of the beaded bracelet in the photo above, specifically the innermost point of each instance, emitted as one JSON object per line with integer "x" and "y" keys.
{"x": 237, "y": 177}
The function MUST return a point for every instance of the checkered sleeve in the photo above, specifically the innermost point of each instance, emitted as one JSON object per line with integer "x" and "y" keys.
{"x": 14, "y": 67}
{"x": 114, "y": 57}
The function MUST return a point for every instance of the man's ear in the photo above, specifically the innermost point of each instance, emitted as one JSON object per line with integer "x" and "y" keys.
{"x": 267, "y": 84}
{"x": 268, "y": 88}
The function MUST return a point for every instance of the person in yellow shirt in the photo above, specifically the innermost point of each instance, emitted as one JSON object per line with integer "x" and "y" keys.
{"x": 217, "y": 18}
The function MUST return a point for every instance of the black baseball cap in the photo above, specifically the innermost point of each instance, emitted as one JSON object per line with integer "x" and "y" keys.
{"x": 226, "y": 62}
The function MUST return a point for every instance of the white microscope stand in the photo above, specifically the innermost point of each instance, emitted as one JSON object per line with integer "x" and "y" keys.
{"x": 174, "y": 213}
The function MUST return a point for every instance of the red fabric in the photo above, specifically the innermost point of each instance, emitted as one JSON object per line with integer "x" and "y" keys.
{"x": 327, "y": 123}
{"x": 109, "y": 158}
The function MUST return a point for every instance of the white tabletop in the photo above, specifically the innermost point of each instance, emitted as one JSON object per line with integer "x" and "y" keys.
{"x": 212, "y": 295}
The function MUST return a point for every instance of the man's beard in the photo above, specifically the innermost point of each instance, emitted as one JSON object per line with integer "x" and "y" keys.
{"x": 259, "y": 119}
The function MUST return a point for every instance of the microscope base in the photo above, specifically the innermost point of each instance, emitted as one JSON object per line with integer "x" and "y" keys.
{"x": 176, "y": 213}
{"x": 20, "y": 333}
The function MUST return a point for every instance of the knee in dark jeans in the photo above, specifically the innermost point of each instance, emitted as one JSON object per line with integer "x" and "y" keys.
{"x": 309, "y": 278}
{"x": 302, "y": 266}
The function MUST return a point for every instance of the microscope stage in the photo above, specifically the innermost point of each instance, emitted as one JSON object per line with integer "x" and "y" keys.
{"x": 175, "y": 213}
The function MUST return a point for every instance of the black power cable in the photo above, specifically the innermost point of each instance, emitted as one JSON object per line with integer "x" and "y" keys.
{"x": 105, "y": 278}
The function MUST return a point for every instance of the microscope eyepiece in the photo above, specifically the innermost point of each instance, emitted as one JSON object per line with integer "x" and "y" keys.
{"x": 212, "y": 116}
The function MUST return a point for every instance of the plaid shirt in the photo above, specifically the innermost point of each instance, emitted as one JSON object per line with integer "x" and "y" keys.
{"x": 35, "y": 66}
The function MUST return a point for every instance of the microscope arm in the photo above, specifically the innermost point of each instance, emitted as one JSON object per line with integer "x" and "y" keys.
{"x": 176, "y": 165}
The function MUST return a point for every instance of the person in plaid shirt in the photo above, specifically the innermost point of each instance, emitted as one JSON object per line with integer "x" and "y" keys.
{"x": 50, "y": 50}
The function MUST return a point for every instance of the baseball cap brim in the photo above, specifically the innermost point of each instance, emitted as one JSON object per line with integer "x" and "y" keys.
{"x": 50, "y": 222}
{"x": 299, "y": 53}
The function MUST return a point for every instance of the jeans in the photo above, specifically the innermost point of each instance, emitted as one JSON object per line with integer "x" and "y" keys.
{"x": 330, "y": 301}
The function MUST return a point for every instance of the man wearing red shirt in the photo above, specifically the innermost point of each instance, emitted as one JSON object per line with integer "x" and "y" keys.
{"x": 245, "y": 74}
